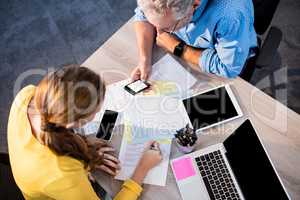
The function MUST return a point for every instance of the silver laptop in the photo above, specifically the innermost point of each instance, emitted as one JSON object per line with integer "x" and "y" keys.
{"x": 238, "y": 168}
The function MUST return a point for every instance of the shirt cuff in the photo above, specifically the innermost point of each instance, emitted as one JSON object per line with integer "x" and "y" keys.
{"x": 204, "y": 60}
{"x": 139, "y": 15}
{"x": 133, "y": 186}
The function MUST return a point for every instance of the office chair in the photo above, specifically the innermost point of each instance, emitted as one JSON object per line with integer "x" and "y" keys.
{"x": 8, "y": 187}
{"x": 263, "y": 13}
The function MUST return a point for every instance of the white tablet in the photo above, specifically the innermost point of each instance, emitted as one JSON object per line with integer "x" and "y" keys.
{"x": 212, "y": 107}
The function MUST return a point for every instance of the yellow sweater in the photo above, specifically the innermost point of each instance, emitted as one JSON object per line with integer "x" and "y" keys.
{"x": 40, "y": 173}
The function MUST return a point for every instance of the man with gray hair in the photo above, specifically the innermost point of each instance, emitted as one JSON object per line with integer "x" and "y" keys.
{"x": 217, "y": 36}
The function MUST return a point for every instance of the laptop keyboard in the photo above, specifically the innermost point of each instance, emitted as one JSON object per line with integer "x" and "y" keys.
{"x": 216, "y": 176}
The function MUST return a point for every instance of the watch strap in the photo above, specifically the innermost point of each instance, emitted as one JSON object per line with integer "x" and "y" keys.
{"x": 178, "y": 51}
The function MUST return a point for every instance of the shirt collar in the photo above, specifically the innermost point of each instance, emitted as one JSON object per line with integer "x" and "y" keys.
{"x": 199, "y": 10}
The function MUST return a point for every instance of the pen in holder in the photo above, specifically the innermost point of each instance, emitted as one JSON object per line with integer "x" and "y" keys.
{"x": 186, "y": 139}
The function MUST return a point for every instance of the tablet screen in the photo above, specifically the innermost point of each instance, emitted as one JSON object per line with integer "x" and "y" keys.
{"x": 209, "y": 108}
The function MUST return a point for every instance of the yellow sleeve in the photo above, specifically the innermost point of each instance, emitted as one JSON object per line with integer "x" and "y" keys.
{"x": 130, "y": 191}
{"x": 75, "y": 187}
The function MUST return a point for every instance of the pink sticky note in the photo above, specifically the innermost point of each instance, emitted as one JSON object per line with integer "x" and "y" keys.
{"x": 183, "y": 168}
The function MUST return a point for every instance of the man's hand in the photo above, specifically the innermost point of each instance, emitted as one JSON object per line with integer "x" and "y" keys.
{"x": 166, "y": 41}
{"x": 142, "y": 71}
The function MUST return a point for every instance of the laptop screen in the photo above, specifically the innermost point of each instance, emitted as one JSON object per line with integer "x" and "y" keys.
{"x": 251, "y": 166}
{"x": 209, "y": 108}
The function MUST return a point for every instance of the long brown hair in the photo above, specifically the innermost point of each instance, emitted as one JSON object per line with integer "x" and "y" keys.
{"x": 68, "y": 95}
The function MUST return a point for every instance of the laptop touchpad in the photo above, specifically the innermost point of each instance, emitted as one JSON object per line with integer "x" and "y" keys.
{"x": 193, "y": 188}
{"x": 189, "y": 180}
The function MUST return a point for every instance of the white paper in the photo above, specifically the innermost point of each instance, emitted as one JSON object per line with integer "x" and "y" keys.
{"x": 116, "y": 99}
{"x": 158, "y": 112}
{"x": 170, "y": 78}
{"x": 131, "y": 151}
{"x": 149, "y": 118}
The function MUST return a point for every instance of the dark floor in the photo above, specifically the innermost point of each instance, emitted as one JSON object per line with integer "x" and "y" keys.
{"x": 42, "y": 34}
{"x": 38, "y": 34}
{"x": 282, "y": 80}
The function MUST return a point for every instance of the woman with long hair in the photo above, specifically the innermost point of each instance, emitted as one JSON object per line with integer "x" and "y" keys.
{"x": 48, "y": 159}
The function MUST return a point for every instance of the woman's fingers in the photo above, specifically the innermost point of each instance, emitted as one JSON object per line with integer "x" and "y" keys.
{"x": 107, "y": 170}
{"x": 106, "y": 149}
{"x": 149, "y": 144}
{"x": 111, "y": 164}
{"x": 111, "y": 157}
{"x": 155, "y": 146}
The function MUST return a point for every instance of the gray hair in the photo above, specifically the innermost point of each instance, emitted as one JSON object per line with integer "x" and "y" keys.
{"x": 159, "y": 7}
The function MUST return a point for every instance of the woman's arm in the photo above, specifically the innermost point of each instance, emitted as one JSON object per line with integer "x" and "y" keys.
{"x": 132, "y": 189}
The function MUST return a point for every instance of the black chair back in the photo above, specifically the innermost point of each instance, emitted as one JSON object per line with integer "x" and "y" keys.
{"x": 8, "y": 187}
{"x": 263, "y": 13}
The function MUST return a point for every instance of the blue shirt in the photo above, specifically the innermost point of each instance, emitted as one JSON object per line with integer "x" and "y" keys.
{"x": 224, "y": 29}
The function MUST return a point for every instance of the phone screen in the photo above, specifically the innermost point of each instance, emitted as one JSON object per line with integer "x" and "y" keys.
{"x": 107, "y": 124}
{"x": 136, "y": 86}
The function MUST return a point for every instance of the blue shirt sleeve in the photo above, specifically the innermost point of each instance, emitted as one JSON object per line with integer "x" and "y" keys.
{"x": 139, "y": 15}
{"x": 231, "y": 50}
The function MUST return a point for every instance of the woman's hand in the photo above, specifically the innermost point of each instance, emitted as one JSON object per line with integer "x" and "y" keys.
{"x": 142, "y": 71}
{"x": 110, "y": 164}
{"x": 150, "y": 158}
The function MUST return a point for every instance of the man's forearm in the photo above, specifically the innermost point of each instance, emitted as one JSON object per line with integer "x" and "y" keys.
{"x": 191, "y": 54}
{"x": 145, "y": 33}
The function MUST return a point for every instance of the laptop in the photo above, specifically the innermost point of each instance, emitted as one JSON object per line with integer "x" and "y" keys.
{"x": 238, "y": 168}
{"x": 211, "y": 108}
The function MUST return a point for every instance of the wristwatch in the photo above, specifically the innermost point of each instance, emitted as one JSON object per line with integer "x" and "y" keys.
{"x": 179, "y": 49}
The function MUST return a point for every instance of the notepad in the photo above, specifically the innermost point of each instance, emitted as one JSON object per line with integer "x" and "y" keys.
{"x": 170, "y": 78}
{"x": 183, "y": 168}
{"x": 132, "y": 148}
{"x": 146, "y": 119}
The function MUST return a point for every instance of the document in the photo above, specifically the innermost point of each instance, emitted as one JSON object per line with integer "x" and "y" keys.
{"x": 169, "y": 77}
{"x": 132, "y": 148}
{"x": 149, "y": 118}
{"x": 156, "y": 112}
{"x": 116, "y": 97}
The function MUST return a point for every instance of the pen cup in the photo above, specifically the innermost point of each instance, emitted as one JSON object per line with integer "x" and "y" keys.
{"x": 184, "y": 149}
{"x": 186, "y": 139}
